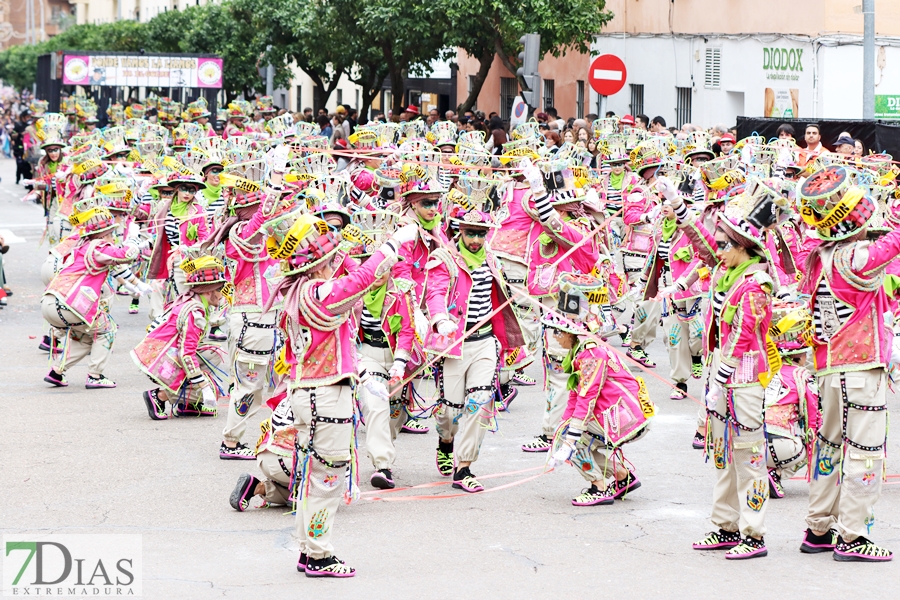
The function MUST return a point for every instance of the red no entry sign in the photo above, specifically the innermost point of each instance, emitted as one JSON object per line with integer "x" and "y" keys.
{"x": 607, "y": 74}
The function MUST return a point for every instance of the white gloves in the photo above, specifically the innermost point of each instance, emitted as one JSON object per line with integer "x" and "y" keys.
{"x": 131, "y": 288}
{"x": 666, "y": 188}
{"x": 533, "y": 176}
{"x": 666, "y": 292}
{"x": 562, "y": 455}
{"x": 653, "y": 215}
{"x": 712, "y": 396}
{"x": 895, "y": 350}
{"x": 374, "y": 386}
{"x": 405, "y": 234}
{"x": 398, "y": 369}
{"x": 209, "y": 396}
{"x": 143, "y": 289}
{"x": 446, "y": 327}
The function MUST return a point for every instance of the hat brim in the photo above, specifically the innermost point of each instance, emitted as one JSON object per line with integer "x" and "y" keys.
{"x": 734, "y": 230}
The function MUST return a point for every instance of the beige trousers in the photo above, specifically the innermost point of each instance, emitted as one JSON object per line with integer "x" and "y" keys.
{"x": 556, "y": 384}
{"x": 250, "y": 373}
{"x": 742, "y": 489}
{"x": 846, "y": 481}
{"x": 631, "y": 265}
{"x": 787, "y": 454}
{"x": 383, "y": 418}
{"x": 683, "y": 337}
{"x": 82, "y": 340}
{"x": 592, "y": 459}
{"x": 277, "y": 470}
{"x": 326, "y": 450}
{"x": 466, "y": 386}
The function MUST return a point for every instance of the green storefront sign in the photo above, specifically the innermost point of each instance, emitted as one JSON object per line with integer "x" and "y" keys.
{"x": 887, "y": 106}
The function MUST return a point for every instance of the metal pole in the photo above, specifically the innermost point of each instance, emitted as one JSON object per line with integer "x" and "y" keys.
{"x": 868, "y": 7}
{"x": 270, "y": 75}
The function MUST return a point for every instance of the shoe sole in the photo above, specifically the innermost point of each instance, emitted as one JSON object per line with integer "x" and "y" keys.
{"x": 807, "y": 548}
{"x": 329, "y": 574}
{"x": 755, "y": 554}
{"x": 523, "y": 383}
{"x": 633, "y": 486}
{"x": 722, "y": 546}
{"x": 524, "y": 449}
{"x": 240, "y": 491}
{"x": 773, "y": 490}
{"x": 603, "y": 502}
{"x": 415, "y": 431}
{"x": 235, "y": 457}
{"x": 56, "y": 383}
{"x": 857, "y": 558}
{"x": 89, "y": 386}
{"x": 150, "y": 408}
{"x": 460, "y": 486}
{"x": 696, "y": 446}
{"x": 677, "y": 397}
{"x": 381, "y": 482}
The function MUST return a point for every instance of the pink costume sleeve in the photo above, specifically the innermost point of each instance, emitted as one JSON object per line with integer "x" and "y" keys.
{"x": 753, "y": 316}
{"x": 875, "y": 257}
{"x": 346, "y": 290}
{"x": 107, "y": 254}
{"x": 632, "y": 212}
{"x": 702, "y": 240}
{"x": 188, "y": 342}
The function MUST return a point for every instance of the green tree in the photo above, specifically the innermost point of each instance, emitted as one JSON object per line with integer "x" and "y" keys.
{"x": 564, "y": 25}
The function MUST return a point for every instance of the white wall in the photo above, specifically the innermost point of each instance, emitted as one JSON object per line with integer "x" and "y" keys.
{"x": 663, "y": 63}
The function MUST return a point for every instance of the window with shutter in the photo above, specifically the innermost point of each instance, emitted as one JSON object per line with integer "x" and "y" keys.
{"x": 713, "y": 68}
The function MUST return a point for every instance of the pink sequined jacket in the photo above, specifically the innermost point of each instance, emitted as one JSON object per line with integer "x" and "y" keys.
{"x": 163, "y": 257}
{"x": 855, "y": 273}
{"x": 79, "y": 284}
{"x": 739, "y": 331}
{"x": 321, "y": 337}
{"x": 249, "y": 261}
{"x": 607, "y": 395}
{"x": 447, "y": 294}
{"x": 639, "y": 237}
{"x": 168, "y": 353}
{"x": 518, "y": 240}
{"x": 683, "y": 262}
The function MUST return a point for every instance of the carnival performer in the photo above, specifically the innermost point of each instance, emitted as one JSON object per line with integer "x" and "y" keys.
{"x": 77, "y": 299}
{"x": 852, "y": 338}
{"x": 254, "y": 337}
{"x": 320, "y": 356}
{"x": 470, "y": 323}
{"x": 590, "y": 438}
{"x": 170, "y": 352}
{"x": 740, "y": 309}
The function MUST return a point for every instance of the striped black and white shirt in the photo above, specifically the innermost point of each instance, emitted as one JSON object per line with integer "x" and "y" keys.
{"x": 369, "y": 324}
{"x": 480, "y": 296}
{"x": 829, "y": 313}
{"x": 172, "y": 229}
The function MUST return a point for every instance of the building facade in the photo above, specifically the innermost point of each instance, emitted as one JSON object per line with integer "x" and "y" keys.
{"x": 710, "y": 61}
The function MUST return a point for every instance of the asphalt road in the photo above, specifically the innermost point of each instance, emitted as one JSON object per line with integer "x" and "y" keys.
{"x": 80, "y": 461}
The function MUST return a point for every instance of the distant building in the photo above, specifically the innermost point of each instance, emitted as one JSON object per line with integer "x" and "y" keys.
{"x": 709, "y": 61}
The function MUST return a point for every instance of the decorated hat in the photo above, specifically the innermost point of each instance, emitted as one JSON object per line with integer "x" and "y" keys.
{"x": 116, "y": 113}
{"x": 722, "y": 173}
{"x": 366, "y": 137}
{"x": 646, "y": 155}
{"x": 516, "y": 150}
{"x": 696, "y": 145}
{"x": 416, "y": 182}
{"x": 579, "y": 309}
{"x": 301, "y": 241}
{"x": 92, "y": 218}
{"x": 114, "y": 142}
{"x": 412, "y": 130}
{"x": 832, "y": 205}
{"x": 265, "y": 104}
{"x": 368, "y": 230}
{"x": 136, "y": 111}
{"x": 613, "y": 149}
{"x": 281, "y": 127}
{"x": 38, "y": 107}
{"x": 203, "y": 270}
{"x": 473, "y": 219}
{"x": 69, "y": 105}
{"x": 741, "y": 217}
{"x": 331, "y": 208}
{"x": 199, "y": 108}
{"x": 443, "y": 133}
{"x": 50, "y": 130}
{"x": 605, "y": 127}
{"x": 791, "y": 327}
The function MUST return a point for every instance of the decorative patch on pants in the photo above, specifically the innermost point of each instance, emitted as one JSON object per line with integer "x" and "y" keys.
{"x": 317, "y": 527}
{"x": 242, "y": 406}
{"x": 330, "y": 481}
{"x": 674, "y": 336}
{"x": 640, "y": 315}
{"x": 719, "y": 453}
{"x": 756, "y": 497}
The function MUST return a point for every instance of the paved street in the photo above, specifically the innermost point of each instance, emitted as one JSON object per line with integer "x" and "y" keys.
{"x": 79, "y": 461}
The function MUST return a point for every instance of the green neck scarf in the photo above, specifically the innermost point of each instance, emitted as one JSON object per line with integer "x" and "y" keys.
{"x": 569, "y": 368}
{"x": 211, "y": 193}
{"x": 733, "y": 274}
{"x": 668, "y": 229}
{"x": 52, "y": 166}
{"x": 429, "y": 225}
{"x": 615, "y": 181}
{"x": 374, "y": 300}
{"x": 180, "y": 209}
{"x": 473, "y": 259}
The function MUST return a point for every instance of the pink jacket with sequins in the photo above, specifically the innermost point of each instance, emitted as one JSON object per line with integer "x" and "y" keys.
{"x": 864, "y": 340}
{"x": 740, "y": 331}
{"x": 602, "y": 379}
{"x": 78, "y": 284}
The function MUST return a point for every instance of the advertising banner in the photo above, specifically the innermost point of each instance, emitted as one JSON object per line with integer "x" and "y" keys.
{"x": 146, "y": 71}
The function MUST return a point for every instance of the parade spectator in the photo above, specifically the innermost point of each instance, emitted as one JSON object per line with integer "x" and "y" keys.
{"x": 859, "y": 148}
{"x": 845, "y": 145}
{"x": 658, "y": 125}
{"x": 813, "y": 137}
{"x": 642, "y": 122}
{"x": 325, "y": 126}
{"x": 785, "y": 131}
